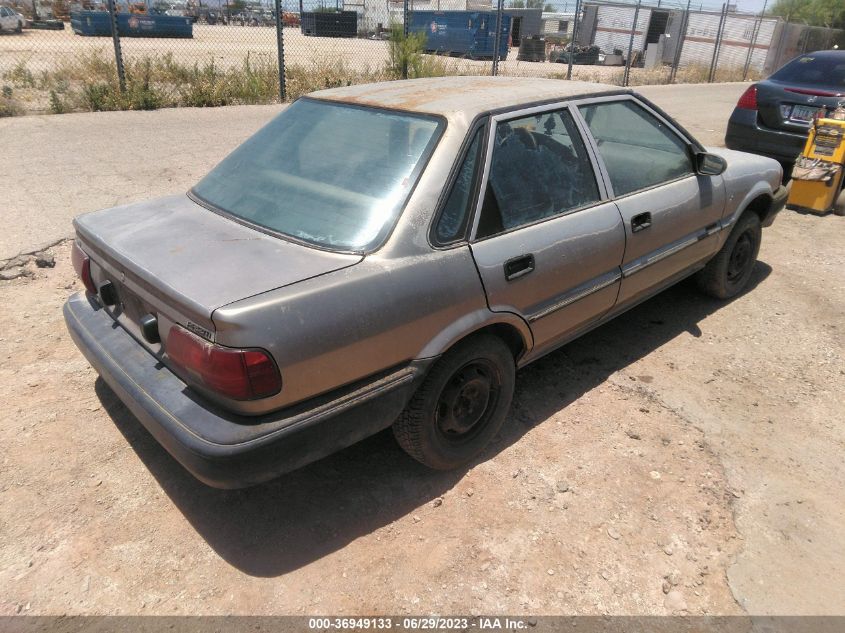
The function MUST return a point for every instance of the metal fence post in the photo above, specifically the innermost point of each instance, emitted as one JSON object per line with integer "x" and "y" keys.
{"x": 679, "y": 47}
{"x": 280, "y": 49}
{"x": 627, "y": 73}
{"x": 118, "y": 53}
{"x": 718, "y": 43}
{"x": 404, "y": 57}
{"x": 497, "y": 41}
{"x": 574, "y": 38}
{"x": 758, "y": 24}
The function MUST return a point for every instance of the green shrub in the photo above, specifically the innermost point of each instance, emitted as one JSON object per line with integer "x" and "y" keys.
{"x": 140, "y": 93}
{"x": 205, "y": 87}
{"x": 20, "y": 75}
{"x": 8, "y": 106}
{"x": 57, "y": 104}
{"x": 99, "y": 96}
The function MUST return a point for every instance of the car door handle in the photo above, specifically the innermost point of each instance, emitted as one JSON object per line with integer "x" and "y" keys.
{"x": 519, "y": 267}
{"x": 640, "y": 222}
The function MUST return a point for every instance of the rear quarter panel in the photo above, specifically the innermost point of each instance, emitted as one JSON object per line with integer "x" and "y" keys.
{"x": 335, "y": 329}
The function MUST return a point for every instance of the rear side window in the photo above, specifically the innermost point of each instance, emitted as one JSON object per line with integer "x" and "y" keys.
{"x": 451, "y": 226}
{"x": 811, "y": 70}
{"x": 540, "y": 169}
{"x": 638, "y": 149}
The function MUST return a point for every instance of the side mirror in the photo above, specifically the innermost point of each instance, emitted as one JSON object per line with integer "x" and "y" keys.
{"x": 709, "y": 164}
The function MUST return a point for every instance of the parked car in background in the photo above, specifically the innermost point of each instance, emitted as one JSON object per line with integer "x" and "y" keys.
{"x": 390, "y": 254}
{"x": 773, "y": 117}
{"x": 10, "y": 20}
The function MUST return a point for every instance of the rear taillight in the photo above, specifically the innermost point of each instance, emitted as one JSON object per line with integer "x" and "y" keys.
{"x": 82, "y": 266}
{"x": 240, "y": 374}
{"x": 748, "y": 100}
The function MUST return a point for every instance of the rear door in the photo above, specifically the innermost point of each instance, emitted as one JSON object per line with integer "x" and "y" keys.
{"x": 671, "y": 214}
{"x": 547, "y": 242}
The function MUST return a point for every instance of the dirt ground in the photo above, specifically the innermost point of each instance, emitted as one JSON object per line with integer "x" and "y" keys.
{"x": 685, "y": 458}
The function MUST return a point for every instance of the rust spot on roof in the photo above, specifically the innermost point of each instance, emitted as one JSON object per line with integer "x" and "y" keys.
{"x": 445, "y": 95}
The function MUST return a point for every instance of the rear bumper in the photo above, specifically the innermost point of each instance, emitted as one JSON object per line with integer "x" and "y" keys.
{"x": 745, "y": 134}
{"x": 226, "y": 450}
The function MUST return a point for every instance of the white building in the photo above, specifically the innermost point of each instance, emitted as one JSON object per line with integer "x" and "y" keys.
{"x": 372, "y": 13}
{"x": 558, "y": 24}
{"x": 609, "y": 27}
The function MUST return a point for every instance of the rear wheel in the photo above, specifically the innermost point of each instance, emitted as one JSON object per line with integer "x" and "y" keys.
{"x": 729, "y": 271}
{"x": 461, "y": 404}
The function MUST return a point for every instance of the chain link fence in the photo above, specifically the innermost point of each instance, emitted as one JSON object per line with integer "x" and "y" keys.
{"x": 118, "y": 54}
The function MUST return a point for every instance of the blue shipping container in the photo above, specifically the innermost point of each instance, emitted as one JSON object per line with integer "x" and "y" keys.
{"x": 131, "y": 24}
{"x": 462, "y": 33}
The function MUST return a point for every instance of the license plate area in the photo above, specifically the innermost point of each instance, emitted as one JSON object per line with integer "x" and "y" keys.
{"x": 128, "y": 312}
{"x": 802, "y": 115}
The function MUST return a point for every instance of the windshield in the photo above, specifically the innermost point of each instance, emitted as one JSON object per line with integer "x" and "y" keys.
{"x": 808, "y": 70}
{"x": 334, "y": 175}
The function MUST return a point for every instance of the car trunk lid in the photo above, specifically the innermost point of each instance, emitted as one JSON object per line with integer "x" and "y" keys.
{"x": 174, "y": 253}
{"x": 789, "y": 107}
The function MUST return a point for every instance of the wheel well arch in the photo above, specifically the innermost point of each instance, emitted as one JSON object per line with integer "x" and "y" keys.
{"x": 761, "y": 206}
{"x": 508, "y": 333}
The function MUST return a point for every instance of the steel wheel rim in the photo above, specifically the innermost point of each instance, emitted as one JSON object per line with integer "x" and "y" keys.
{"x": 740, "y": 257}
{"x": 467, "y": 401}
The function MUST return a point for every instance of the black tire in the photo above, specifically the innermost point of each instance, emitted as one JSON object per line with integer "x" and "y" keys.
{"x": 461, "y": 404}
{"x": 20, "y": 27}
{"x": 729, "y": 271}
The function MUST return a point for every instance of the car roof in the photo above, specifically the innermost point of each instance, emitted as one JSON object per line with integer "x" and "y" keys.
{"x": 825, "y": 54}
{"x": 463, "y": 96}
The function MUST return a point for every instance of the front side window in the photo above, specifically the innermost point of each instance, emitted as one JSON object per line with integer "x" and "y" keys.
{"x": 540, "y": 168}
{"x": 331, "y": 174}
{"x": 638, "y": 149}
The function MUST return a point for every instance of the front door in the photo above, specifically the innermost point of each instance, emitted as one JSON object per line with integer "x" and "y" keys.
{"x": 547, "y": 242}
{"x": 671, "y": 214}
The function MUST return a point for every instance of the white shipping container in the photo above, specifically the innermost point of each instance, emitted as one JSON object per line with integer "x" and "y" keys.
{"x": 736, "y": 40}
{"x": 613, "y": 28}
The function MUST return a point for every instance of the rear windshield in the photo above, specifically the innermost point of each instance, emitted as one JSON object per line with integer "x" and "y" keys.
{"x": 808, "y": 70}
{"x": 333, "y": 175}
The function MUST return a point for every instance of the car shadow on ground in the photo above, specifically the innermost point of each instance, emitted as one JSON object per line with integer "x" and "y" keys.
{"x": 282, "y": 525}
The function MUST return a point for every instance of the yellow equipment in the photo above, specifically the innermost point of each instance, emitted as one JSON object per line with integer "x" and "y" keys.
{"x": 817, "y": 175}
